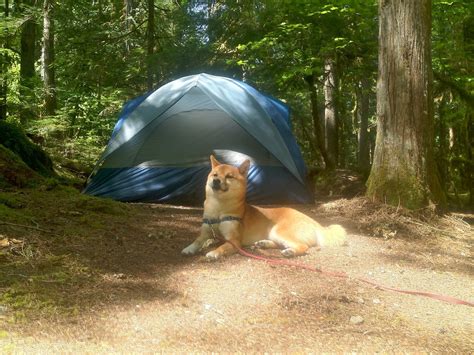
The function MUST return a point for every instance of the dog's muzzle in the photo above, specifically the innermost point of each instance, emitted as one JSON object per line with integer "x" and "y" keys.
{"x": 217, "y": 185}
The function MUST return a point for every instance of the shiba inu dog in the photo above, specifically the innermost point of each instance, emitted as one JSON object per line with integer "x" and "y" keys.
{"x": 227, "y": 214}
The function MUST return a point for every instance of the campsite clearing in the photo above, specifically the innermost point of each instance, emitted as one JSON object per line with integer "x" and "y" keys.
{"x": 104, "y": 277}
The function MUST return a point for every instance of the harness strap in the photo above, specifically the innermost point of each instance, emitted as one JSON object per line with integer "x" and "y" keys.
{"x": 212, "y": 221}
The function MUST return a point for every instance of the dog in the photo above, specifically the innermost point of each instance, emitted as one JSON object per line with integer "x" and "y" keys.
{"x": 227, "y": 214}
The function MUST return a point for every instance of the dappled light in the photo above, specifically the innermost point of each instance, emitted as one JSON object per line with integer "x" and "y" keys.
{"x": 124, "y": 282}
{"x": 236, "y": 177}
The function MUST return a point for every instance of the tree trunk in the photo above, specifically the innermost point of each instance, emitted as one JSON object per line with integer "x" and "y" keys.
{"x": 330, "y": 113}
{"x": 317, "y": 129}
{"x": 127, "y": 13}
{"x": 3, "y": 90}
{"x": 150, "y": 34}
{"x": 3, "y": 81}
{"x": 403, "y": 170}
{"x": 470, "y": 156}
{"x": 363, "y": 157}
{"x": 442, "y": 159}
{"x": 47, "y": 58}
{"x": 27, "y": 65}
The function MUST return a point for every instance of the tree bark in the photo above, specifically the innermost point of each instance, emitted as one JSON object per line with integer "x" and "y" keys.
{"x": 127, "y": 13}
{"x": 470, "y": 156}
{"x": 363, "y": 157}
{"x": 150, "y": 34}
{"x": 317, "y": 129}
{"x": 3, "y": 80}
{"x": 403, "y": 170}
{"x": 47, "y": 58}
{"x": 442, "y": 159}
{"x": 3, "y": 90}
{"x": 330, "y": 113}
{"x": 27, "y": 65}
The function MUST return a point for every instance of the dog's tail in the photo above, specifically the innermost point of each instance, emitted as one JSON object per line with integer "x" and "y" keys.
{"x": 333, "y": 235}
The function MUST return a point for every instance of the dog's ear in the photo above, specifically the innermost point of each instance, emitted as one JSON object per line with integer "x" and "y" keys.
{"x": 214, "y": 162}
{"x": 244, "y": 167}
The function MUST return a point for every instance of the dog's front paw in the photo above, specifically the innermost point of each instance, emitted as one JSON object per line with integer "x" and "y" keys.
{"x": 288, "y": 252}
{"x": 213, "y": 255}
{"x": 190, "y": 250}
{"x": 264, "y": 244}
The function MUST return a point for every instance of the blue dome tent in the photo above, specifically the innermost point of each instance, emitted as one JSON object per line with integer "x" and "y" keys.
{"x": 159, "y": 149}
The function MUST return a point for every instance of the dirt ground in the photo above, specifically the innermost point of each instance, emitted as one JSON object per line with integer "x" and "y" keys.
{"x": 101, "y": 282}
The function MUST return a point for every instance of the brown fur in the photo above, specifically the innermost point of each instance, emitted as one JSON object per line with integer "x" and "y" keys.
{"x": 283, "y": 228}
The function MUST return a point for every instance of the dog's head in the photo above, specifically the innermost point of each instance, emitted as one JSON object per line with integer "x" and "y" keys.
{"x": 226, "y": 180}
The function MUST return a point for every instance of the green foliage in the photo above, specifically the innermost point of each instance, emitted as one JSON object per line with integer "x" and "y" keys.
{"x": 453, "y": 66}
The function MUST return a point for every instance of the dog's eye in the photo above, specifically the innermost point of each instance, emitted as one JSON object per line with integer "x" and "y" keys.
{"x": 229, "y": 176}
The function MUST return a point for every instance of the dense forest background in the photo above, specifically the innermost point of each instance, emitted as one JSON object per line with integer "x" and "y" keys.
{"x": 68, "y": 66}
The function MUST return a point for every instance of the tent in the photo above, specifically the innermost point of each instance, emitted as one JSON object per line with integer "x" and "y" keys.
{"x": 160, "y": 147}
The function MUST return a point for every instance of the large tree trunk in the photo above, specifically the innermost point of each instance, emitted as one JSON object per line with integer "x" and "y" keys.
{"x": 330, "y": 113}
{"x": 47, "y": 58}
{"x": 363, "y": 157}
{"x": 317, "y": 128}
{"x": 403, "y": 170}
{"x": 27, "y": 65}
{"x": 150, "y": 34}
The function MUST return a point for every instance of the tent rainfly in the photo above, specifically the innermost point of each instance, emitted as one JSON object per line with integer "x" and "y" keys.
{"x": 160, "y": 147}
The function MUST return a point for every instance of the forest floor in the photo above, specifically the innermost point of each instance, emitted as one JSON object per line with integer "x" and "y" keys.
{"x": 87, "y": 275}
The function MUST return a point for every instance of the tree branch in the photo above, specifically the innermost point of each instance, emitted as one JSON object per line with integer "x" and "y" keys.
{"x": 463, "y": 93}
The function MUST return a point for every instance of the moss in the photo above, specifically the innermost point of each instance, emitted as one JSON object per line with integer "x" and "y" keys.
{"x": 402, "y": 188}
{"x": 101, "y": 205}
{"x": 14, "y": 172}
{"x": 13, "y": 138}
{"x": 11, "y": 201}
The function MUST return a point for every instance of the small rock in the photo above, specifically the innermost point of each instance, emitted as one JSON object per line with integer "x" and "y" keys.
{"x": 344, "y": 299}
{"x": 4, "y": 242}
{"x": 3, "y": 309}
{"x": 360, "y": 300}
{"x": 376, "y": 301}
{"x": 74, "y": 213}
{"x": 357, "y": 320}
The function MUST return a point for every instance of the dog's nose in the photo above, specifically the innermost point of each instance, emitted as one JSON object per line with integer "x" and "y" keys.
{"x": 216, "y": 183}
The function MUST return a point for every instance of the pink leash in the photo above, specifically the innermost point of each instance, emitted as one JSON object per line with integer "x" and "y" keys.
{"x": 343, "y": 275}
